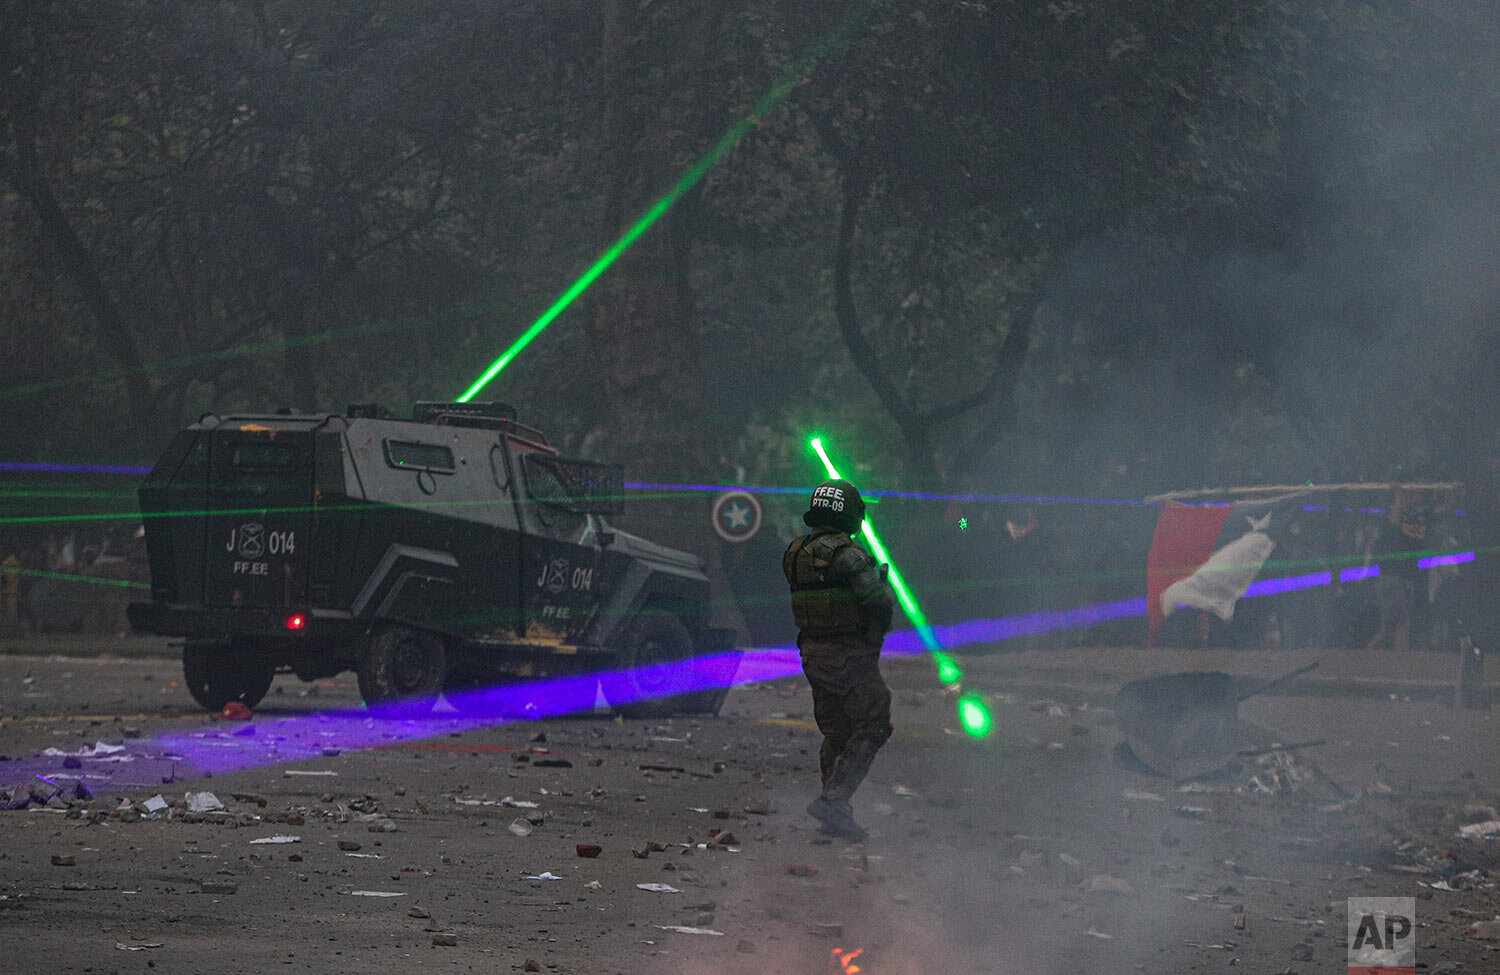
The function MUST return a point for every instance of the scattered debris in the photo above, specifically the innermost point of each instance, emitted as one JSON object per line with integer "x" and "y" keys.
{"x": 202, "y": 802}
{"x": 377, "y": 893}
{"x": 1485, "y": 930}
{"x": 589, "y": 850}
{"x": 1483, "y": 830}
{"x": 137, "y": 947}
{"x": 1103, "y": 883}
{"x": 544, "y": 875}
{"x": 444, "y": 940}
{"x": 276, "y": 840}
{"x": 349, "y": 846}
{"x": 98, "y": 749}
{"x": 680, "y": 929}
{"x": 659, "y": 888}
{"x": 520, "y": 827}
{"x": 64, "y": 860}
{"x": 1143, "y": 796}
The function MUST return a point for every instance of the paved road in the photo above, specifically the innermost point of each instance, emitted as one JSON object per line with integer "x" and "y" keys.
{"x": 1030, "y": 851}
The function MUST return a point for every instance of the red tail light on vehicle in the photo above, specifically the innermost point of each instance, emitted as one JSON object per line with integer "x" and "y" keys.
{"x": 296, "y": 622}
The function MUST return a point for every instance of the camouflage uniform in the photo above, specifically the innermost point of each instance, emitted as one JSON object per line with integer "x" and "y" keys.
{"x": 842, "y": 607}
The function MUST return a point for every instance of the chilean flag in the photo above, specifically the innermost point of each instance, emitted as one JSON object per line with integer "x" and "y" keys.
{"x": 1206, "y": 556}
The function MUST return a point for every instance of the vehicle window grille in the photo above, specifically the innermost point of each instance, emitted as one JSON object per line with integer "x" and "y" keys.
{"x": 409, "y": 455}
{"x": 576, "y": 485}
{"x": 264, "y": 455}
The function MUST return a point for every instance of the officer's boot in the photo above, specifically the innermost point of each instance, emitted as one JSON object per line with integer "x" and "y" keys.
{"x": 832, "y": 808}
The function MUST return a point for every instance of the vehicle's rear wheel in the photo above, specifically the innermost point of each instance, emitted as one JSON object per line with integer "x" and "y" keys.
{"x": 220, "y": 671}
{"x": 655, "y": 668}
{"x": 401, "y": 672}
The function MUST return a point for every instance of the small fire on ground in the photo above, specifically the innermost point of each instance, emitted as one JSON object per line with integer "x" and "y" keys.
{"x": 841, "y": 962}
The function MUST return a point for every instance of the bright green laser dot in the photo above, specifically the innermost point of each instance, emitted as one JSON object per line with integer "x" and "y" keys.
{"x": 974, "y": 715}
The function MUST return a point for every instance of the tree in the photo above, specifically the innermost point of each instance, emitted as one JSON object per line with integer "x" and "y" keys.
{"x": 975, "y": 144}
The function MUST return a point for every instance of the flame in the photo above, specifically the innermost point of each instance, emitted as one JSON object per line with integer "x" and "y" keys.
{"x": 841, "y": 962}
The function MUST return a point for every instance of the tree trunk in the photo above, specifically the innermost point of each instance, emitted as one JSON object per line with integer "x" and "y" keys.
{"x": 641, "y": 324}
{"x": 25, "y": 175}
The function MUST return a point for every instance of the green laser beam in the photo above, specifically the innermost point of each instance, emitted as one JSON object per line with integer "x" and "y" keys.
{"x": 72, "y": 577}
{"x": 789, "y": 80}
{"x": 904, "y": 595}
{"x": 268, "y": 347}
{"x": 973, "y": 714}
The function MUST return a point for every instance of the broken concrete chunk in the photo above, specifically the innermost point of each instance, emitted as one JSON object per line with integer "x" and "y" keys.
{"x": 202, "y": 802}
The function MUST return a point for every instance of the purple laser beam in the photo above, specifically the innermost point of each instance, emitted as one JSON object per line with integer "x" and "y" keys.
{"x": 1455, "y": 558}
{"x": 301, "y": 738}
{"x": 15, "y": 465}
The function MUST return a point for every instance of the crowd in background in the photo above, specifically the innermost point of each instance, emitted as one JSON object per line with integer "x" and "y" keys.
{"x": 977, "y": 561}
{"x": 74, "y": 581}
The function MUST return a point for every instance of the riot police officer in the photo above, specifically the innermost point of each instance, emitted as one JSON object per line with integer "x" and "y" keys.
{"x": 842, "y": 606}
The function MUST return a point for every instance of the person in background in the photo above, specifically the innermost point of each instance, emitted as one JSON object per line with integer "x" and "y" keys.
{"x": 1402, "y": 536}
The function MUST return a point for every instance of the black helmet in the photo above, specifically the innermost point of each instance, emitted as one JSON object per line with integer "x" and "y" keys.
{"x": 836, "y": 504}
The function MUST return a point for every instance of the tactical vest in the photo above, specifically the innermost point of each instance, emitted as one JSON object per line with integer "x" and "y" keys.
{"x": 822, "y": 606}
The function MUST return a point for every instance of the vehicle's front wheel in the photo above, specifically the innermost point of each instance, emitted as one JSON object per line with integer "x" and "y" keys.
{"x": 654, "y": 669}
{"x": 220, "y": 671}
{"x": 401, "y": 672}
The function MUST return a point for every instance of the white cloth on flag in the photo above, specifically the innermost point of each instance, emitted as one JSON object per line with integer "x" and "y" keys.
{"x": 1220, "y": 582}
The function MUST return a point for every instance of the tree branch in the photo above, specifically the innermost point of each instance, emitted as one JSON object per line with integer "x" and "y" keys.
{"x": 856, "y": 187}
{"x": 1002, "y": 386}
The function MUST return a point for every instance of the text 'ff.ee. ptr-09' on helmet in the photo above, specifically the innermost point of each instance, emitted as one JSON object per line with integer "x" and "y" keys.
{"x": 836, "y": 504}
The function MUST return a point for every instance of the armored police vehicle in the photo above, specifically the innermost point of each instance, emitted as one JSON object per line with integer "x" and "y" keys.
{"x": 446, "y": 553}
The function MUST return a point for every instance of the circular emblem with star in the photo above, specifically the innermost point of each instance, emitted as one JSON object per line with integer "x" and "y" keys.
{"x": 737, "y": 516}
